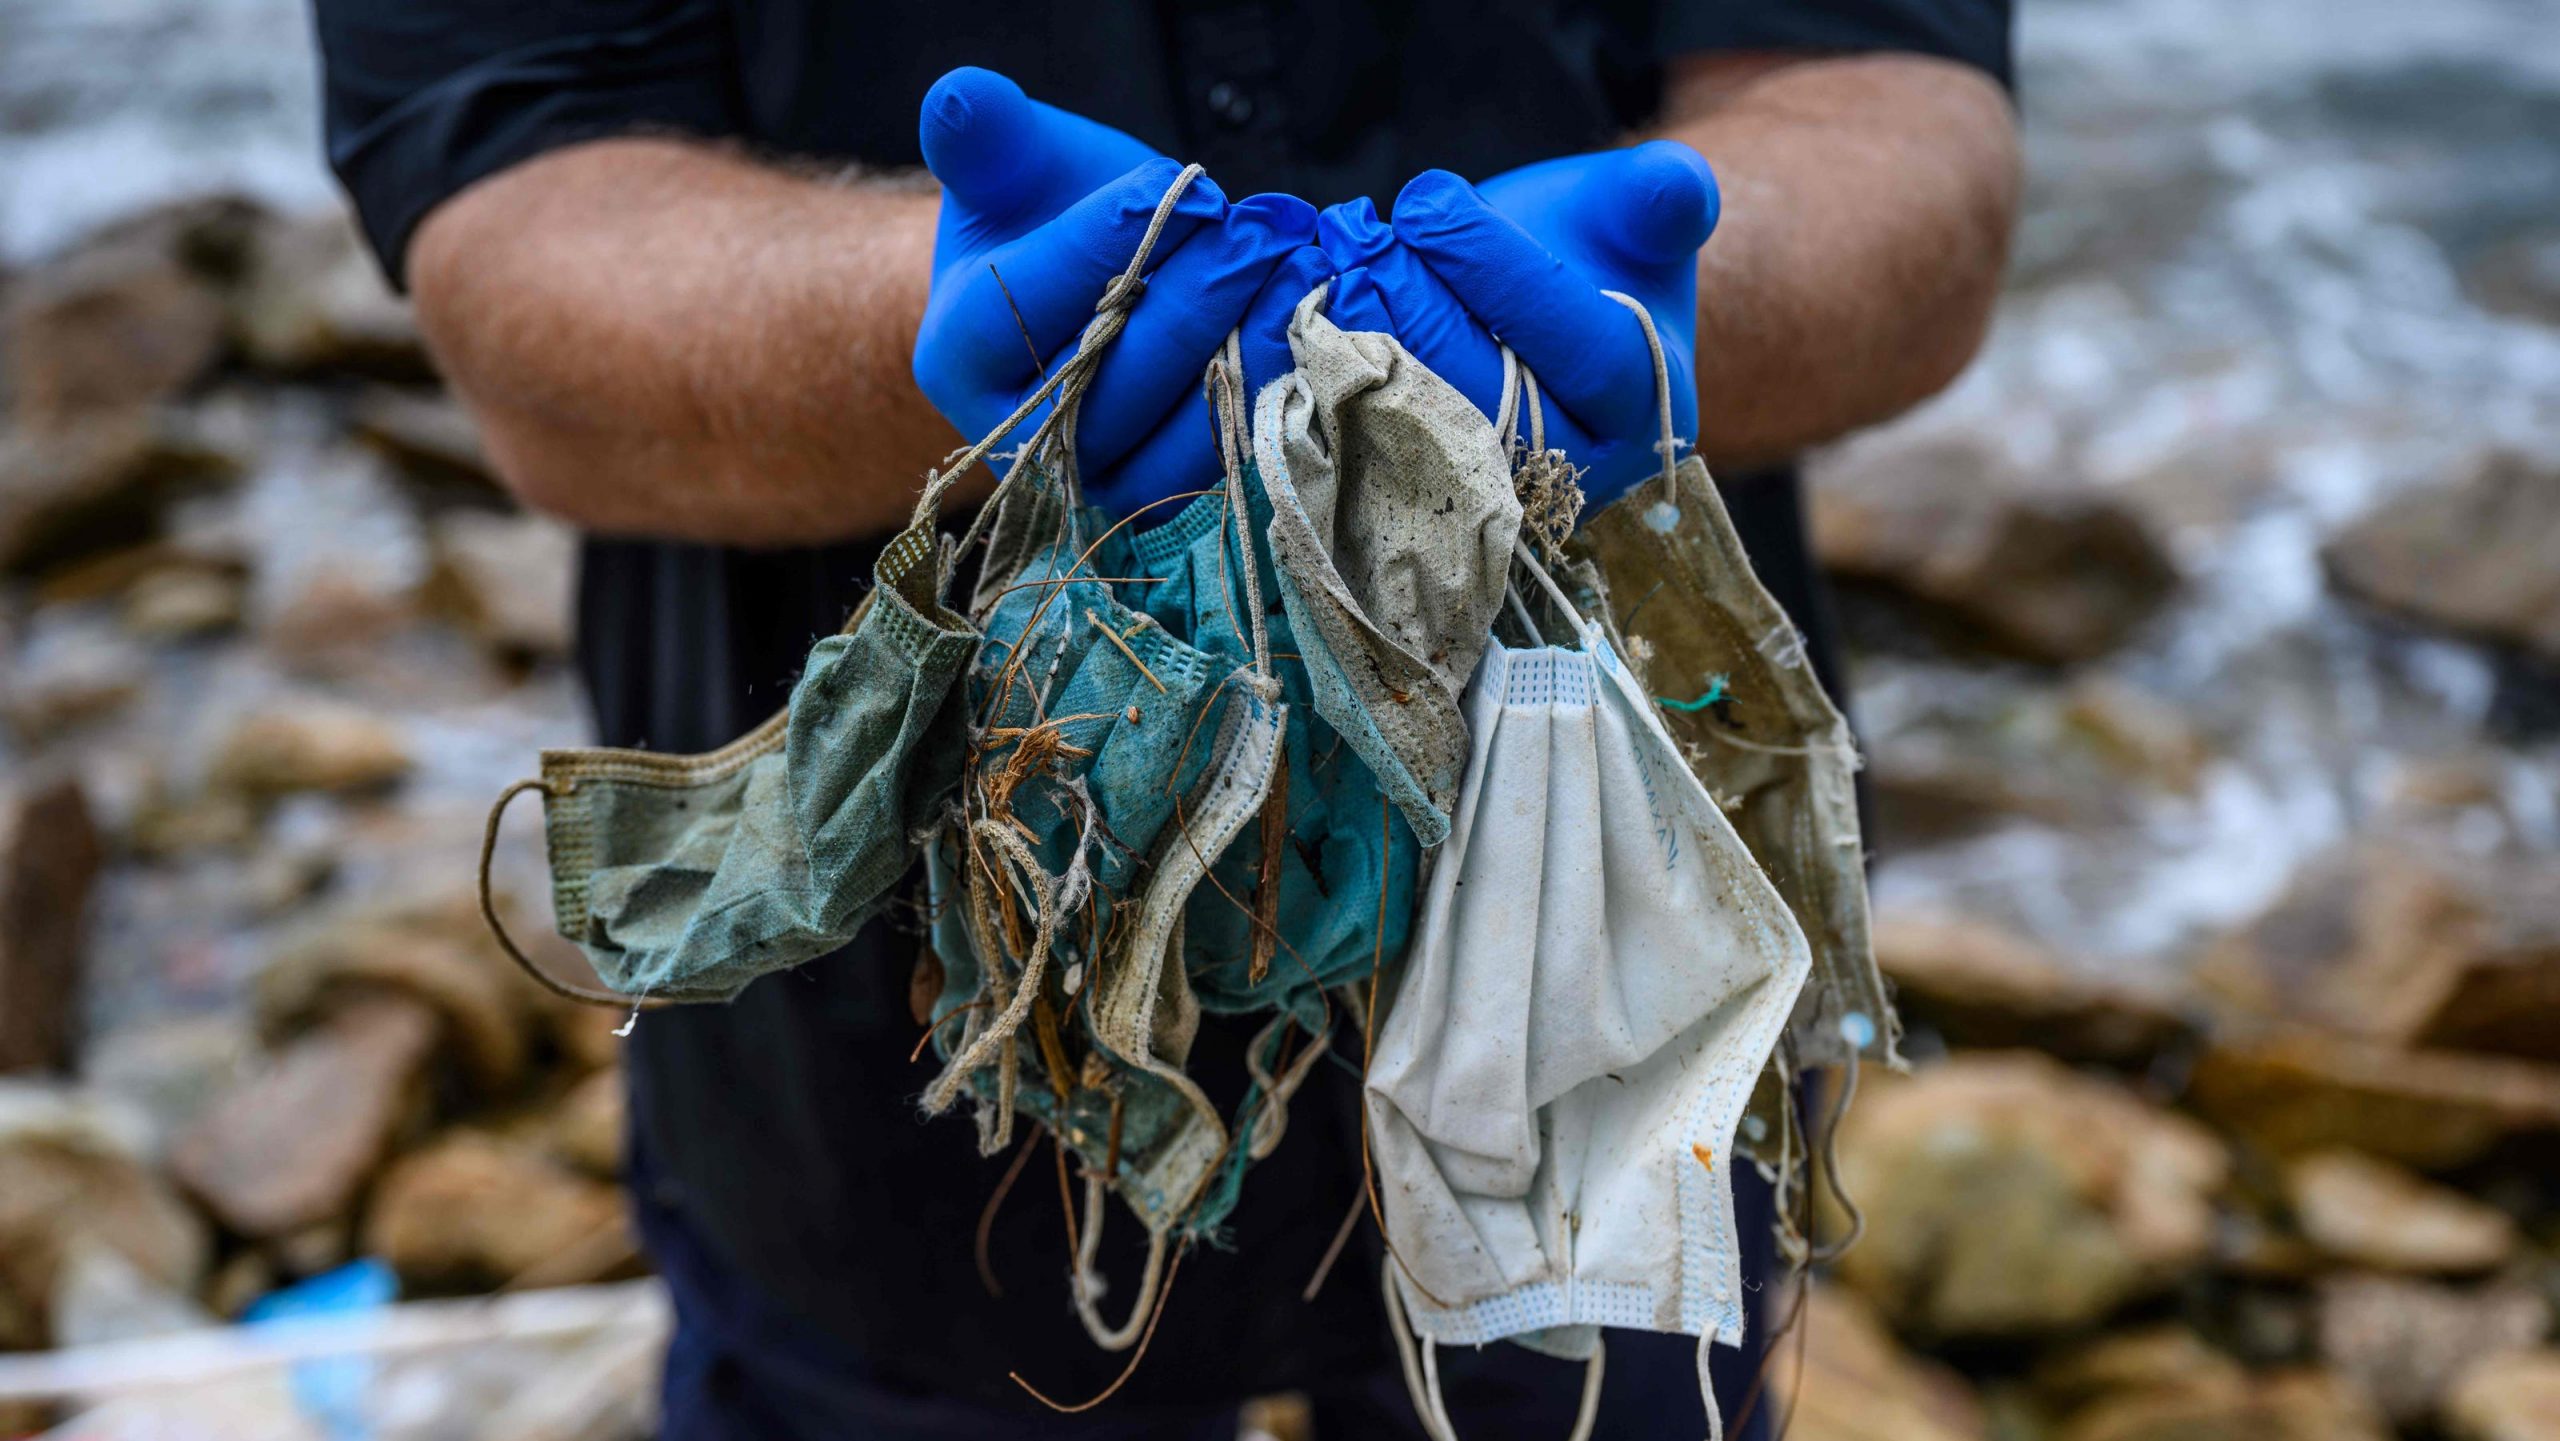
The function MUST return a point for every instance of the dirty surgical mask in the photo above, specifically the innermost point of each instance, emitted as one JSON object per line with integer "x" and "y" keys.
{"x": 1596, "y": 981}
{"x": 1393, "y": 517}
{"x": 684, "y": 877}
{"x": 1598, "y": 977}
{"x": 1735, "y": 688}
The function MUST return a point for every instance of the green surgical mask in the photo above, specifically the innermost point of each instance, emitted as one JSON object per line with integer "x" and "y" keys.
{"x": 684, "y": 877}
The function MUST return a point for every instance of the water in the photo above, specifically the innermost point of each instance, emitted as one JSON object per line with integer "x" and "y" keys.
{"x": 110, "y": 105}
{"x": 2281, "y": 262}
{"x": 2264, "y": 283}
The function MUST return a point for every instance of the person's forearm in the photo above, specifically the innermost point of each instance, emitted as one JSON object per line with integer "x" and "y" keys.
{"x": 665, "y": 338}
{"x": 1867, "y": 208}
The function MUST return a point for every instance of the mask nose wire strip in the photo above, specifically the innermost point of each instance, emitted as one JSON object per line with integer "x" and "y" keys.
{"x": 585, "y": 995}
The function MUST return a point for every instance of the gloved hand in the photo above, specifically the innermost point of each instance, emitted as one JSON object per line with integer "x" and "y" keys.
{"x": 1527, "y": 255}
{"x": 1041, "y": 209}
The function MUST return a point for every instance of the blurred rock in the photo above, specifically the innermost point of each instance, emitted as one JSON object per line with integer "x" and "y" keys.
{"x": 281, "y": 877}
{"x": 171, "y": 822}
{"x": 2047, "y": 574}
{"x": 2493, "y": 978}
{"x": 181, "y": 603}
{"x": 2395, "y": 947}
{"x": 2285, "y": 1406}
{"x": 167, "y": 1070}
{"x": 49, "y": 857}
{"x": 586, "y": 1128}
{"x": 484, "y": 1012}
{"x": 292, "y": 1146}
{"x": 2473, "y": 557}
{"x": 426, "y": 433}
{"x": 2166, "y": 1384}
{"x": 307, "y": 1251}
{"x": 2006, "y": 1194}
{"x": 1983, "y": 986}
{"x": 473, "y": 1212}
{"x": 2157, "y": 1361}
{"x": 333, "y": 618}
{"x": 47, "y": 696}
{"x": 2407, "y": 1341}
{"x": 100, "y": 1296}
{"x": 509, "y": 579}
{"x": 68, "y": 1179}
{"x": 583, "y": 1034}
{"x": 1854, "y": 1383}
{"x": 2510, "y": 1397}
{"x": 113, "y": 325}
{"x": 312, "y": 745}
{"x": 1924, "y": 795}
{"x": 2434, "y": 1110}
{"x": 237, "y": 1282}
{"x": 2372, "y": 1213}
{"x": 95, "y": 485}
{"x": 309, "y": 299}
{"x": 2138, "y": 734}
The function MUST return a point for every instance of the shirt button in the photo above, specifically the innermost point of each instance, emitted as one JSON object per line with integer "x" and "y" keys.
{"x": 1230, "y": 104}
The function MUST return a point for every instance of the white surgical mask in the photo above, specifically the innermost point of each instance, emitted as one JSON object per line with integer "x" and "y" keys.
{"x": 1598, "y": 975}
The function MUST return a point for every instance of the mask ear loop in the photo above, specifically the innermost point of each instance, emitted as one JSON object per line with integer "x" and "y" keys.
{"x": 585, "y": 995}
{"x": 1422, "y": 1375}
{"x": 1517, "y": 382}
{"x": 1086, "y": 1282}
{"x": 1669, "y": 445}
{"x": 1707, "y": 1383}
{"x": 1272, "y": 1121}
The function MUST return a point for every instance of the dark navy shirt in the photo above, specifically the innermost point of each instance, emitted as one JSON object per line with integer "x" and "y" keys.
{"x": 781, "y": 1130}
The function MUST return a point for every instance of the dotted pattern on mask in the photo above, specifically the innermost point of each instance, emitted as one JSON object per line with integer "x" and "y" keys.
{"x": 1550, "y": 676}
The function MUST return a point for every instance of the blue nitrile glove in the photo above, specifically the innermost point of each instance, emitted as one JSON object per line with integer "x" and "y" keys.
{"x": 1528, "y": 254}
{"x": 1040, "y": 210}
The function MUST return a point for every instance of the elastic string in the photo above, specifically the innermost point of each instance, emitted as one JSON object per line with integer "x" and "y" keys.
{"x": 1830, "y": 1153}
{"x": 1414, "y": 1389}
{"x": 1111, "y": 315}
{"x": 1272, "y": 1121}
{"x": 1669, "y": 445}
{"x": 1086, "y": 1283}
{"x": 588, "y": 995}
{"x": 1588, "y": 1417}
{"x": 1707, "y": 1383}
{"x": 1520, "y": 549}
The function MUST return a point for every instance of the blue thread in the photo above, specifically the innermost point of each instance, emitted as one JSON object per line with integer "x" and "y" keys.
{"x": 1715, "y": 695}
